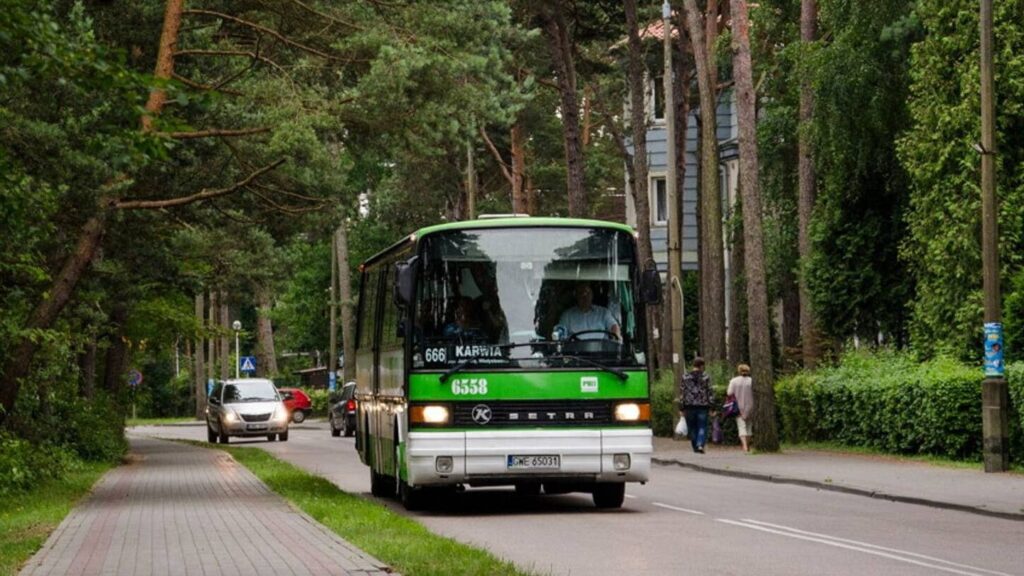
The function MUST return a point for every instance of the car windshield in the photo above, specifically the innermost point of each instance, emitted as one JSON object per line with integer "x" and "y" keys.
{"x": 252, "y": 391}
{"x": 533, "y": 297}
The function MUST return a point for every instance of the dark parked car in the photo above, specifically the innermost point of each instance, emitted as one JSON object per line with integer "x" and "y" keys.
{"x": 343, "y": 411}
{"x": 297, "y": 402}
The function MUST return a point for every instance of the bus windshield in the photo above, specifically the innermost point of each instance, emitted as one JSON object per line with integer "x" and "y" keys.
{"x": 528, "y": 298}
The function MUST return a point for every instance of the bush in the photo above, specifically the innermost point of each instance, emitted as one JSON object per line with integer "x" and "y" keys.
{"x": 889, "y": 401}
{"x": 318, "y": 398}
{"x": 24, "y": 465}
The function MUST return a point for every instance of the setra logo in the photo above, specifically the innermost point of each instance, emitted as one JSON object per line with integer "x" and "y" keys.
{"x": 481, "y": 414}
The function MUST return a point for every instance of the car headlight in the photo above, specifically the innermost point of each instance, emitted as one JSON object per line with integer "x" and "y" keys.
{"x": 632, "y": 412}
{"x": 230, "y": 416}
{"x": 280, "y": 415}
{"x": 429, "y": 414}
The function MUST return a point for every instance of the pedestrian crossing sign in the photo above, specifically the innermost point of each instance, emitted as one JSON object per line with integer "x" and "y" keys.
{"x": 247, "y": 364}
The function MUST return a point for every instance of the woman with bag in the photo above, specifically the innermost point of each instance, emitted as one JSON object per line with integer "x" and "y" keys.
{"x": 742, "y": 389}
{"x": 696, "y": 400}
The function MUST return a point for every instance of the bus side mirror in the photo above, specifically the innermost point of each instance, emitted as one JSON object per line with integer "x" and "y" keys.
{"x": 405, "y": 281}
{"x": 650, "y": 286}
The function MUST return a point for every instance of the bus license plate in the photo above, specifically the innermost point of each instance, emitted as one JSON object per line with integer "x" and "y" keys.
{"x": 552, "y": 462}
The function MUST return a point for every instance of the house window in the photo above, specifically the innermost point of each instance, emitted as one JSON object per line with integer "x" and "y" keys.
{"x": 658, "y": 99}
{"x": 660, "y": 197}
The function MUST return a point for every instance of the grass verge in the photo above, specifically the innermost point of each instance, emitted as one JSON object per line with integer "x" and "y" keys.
{"x": 27, "y": 518}
{"x": 401, "y": 542}
{"x": 924, "y": 458}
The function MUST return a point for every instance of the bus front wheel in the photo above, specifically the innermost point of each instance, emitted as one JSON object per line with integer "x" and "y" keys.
{"x": 412, "y": 498}
{"x": 609, "y": 494}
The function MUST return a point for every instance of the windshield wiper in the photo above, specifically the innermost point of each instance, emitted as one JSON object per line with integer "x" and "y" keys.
{"x": 622, "y": 375}
{"x": 458, "y": 367}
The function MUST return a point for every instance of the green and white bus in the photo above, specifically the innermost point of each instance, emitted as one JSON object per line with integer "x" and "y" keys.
{"x": 473, "y": 369}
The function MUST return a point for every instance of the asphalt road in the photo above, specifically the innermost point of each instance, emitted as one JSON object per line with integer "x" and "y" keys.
{"x": 686, "y": 522}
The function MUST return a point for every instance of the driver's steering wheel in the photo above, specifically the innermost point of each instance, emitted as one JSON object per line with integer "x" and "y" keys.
{"x": 575, "y": 336}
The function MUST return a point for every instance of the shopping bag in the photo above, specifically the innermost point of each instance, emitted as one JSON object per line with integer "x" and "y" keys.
{"x": 731, "y": 408}
{"x": 681, "y": 427}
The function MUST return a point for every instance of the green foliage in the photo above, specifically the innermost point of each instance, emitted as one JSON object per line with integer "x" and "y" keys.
{"x": 943, "y": 250}
{"x": 24, "y": 465}
{"x": 319, "y": 399}
{"x": 28, "y": 516}
{"x": 860, "y": 77}
{"x": 890, "y": 401}
{"x": 664, "y": 408}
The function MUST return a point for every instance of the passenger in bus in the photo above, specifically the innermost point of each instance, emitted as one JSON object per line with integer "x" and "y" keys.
{"x": 589, "y": 320}
{"x": 465, "y": 323}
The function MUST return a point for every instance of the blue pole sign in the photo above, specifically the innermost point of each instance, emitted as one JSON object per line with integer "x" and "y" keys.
{"x": 993, "y": 349}
{"x": 332, "y": 380}
{"x": 209, "y": 387}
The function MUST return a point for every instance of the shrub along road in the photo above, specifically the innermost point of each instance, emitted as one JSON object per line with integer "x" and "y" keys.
{"x": 685, "y": 519}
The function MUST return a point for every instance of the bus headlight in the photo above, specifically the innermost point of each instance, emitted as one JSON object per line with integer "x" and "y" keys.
{"x": 632, "y": 412}
{"x": 429, "y": 414}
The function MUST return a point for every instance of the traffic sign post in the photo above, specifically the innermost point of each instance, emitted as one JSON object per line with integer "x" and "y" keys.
{"x": 332, "y": 380}
{"x": 247, "y": 364}
{"x": 134, "y": 380}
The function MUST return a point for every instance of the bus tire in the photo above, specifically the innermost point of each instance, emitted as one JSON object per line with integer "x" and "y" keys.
{"x": 412, "y": 498}
{"x": 609, "y": 494}
{"x": 378, "y": 486}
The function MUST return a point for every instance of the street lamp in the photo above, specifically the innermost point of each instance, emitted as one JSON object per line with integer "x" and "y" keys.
{"x": 237, "y": 325}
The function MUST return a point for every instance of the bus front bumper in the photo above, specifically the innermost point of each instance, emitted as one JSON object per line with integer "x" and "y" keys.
{"x": 510, "y": 456}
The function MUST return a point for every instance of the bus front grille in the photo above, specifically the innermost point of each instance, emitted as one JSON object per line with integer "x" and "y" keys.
{"x": 506, "y": 414}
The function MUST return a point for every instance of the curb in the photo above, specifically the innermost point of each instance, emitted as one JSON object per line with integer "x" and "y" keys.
{"x": 1019, "y": 517}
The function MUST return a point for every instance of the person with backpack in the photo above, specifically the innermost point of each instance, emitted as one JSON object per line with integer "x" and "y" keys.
{"x": 695, "y": 400}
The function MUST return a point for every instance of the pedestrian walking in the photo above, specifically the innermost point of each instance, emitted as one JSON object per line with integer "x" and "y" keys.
{"x": 742, "y": 389}
{"x": 696, "y": 399}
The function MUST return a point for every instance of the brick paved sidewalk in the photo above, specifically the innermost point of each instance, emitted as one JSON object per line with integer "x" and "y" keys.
{"x": 179, "y": 509}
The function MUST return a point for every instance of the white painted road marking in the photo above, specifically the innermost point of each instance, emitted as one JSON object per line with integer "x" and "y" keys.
{"x": 830, "y": 541}
{"x": 677, "y": 509}
{"x": 875, "y": 546}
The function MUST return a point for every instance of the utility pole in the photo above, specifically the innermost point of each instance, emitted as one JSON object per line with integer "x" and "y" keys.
{"x": 333, "y": 295}
{"x": 470, "y": 182}
{"x": 994, "y": 389}
{"x": 672, "y": 192}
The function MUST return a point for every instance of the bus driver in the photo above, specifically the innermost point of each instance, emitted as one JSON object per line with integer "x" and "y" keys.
{"x": 586, "y": 316}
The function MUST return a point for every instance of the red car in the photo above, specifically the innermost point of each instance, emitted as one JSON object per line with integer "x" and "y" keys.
{"x": 297, "y": 402}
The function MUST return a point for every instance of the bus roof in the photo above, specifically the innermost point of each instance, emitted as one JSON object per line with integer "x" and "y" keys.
{"x": 519, "y": 222}
{"x": 510, "y": 222}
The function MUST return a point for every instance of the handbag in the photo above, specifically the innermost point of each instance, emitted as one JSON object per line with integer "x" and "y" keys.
{"x": 681, "y": 427}
{"x": 731, "y": 408}
{"x": 716, "y": 431}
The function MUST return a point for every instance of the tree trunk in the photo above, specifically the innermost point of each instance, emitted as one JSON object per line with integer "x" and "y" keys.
{"x": 266, "y": 355}
{"x": 808, "y": 323}
{"x": 164, "y": 60}
{"x": 639, "y": 174}
{"x": 87, "y": 365}
{"x": 117, "y": 354}
{"x": 680, "y": 86}
{"x": 790, "y": 311}
{"x": 16, "y": 366}
{"x": 556, "y": 31}
{"x": 520, "y": 204}
{"x": 712, "y": 273}
{"x": 199, "y": 374}
{"x": 211, "y": 339}
{"x": 531, "y": 196}
{"x": 225, "y": 340}
{"x": 348, "y": 324}
{"x": 737, "y": 344}
{"x": 766, "y": 438}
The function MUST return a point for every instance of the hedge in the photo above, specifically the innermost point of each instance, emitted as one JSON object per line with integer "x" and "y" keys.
{"x": 892, "y": 402}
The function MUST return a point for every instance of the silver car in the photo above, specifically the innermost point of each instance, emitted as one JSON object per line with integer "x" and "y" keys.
{"x": 245, "y": 407}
